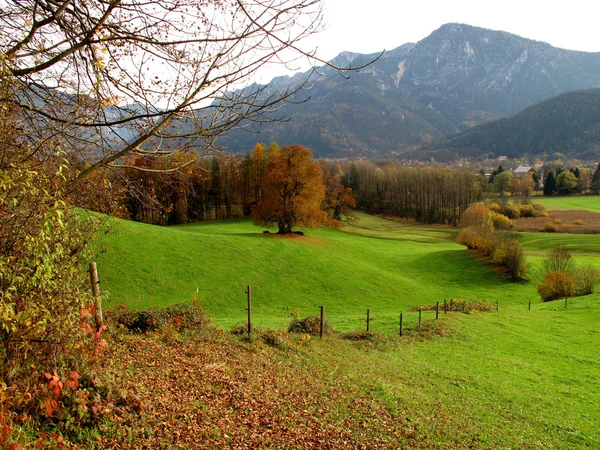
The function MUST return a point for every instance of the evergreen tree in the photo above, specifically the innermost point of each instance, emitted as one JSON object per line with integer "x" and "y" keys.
{"x": 550, "y": 184}
{"x": 595, "y": 186}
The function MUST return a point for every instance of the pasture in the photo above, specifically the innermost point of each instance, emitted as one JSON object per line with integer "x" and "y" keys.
{"x": 383, "y": 265}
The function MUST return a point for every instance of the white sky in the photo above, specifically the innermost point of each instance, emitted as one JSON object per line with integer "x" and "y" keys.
{"x": 369, "y": 26}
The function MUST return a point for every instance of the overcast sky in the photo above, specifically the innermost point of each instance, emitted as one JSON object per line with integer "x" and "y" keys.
{"x": 369, "y": 26}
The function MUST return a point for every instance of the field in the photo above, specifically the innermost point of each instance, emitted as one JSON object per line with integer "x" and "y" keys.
{"x": 378, "y": 264}
{"x": 508, "y": 379}
{"x": 579, "y": 202}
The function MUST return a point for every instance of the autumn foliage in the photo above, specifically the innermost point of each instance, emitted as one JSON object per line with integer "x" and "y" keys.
{"x": 293, "y": 191}
{"x": 478, "y": 233}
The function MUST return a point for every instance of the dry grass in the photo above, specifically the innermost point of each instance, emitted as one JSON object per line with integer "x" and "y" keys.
{"x": 563, "y": 222}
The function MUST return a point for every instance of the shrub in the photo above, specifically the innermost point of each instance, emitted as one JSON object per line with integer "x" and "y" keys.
{"x": 495, "y": 207}
{"x": 309, "y": 325}
{"x": 511, "y": 211}
{"x": 539, "y": 210}
{"x": 578, "y": 222}
{"x": 587, "y": 277}
{"x": 557, "y": 284}
{"x": 511, "y": 256}
{"x": 550, "y": 227}
{"x": 500, "y": 221}
{"x": 525, "y": 210}
{"x": 558, "y": 259}
{"x": 176, "y": 317}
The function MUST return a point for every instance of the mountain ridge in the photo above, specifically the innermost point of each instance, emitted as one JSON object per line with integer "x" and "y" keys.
{"x": 457, "y": 77}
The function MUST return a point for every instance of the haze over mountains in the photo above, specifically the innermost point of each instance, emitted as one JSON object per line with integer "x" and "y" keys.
{"x": 458, "y": 77}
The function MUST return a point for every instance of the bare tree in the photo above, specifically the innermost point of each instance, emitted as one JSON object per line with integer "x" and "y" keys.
{"x": 107, "y": 78}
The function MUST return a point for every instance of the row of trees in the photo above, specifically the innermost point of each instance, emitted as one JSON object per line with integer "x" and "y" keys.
{"x": 430, "y": 195}
{"x": 572, "y": 181}
{"x": 221, "y": 187}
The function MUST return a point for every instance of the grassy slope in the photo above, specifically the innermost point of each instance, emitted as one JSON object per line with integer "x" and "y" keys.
{"x": 382, "y": 265}
{"x": 512, "y": 379}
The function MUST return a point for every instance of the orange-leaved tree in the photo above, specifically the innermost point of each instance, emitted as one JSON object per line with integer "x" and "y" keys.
{"x": 292, "y": 191}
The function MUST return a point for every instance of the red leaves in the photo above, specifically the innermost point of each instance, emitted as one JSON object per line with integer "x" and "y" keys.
{"x": 54, "y": 382}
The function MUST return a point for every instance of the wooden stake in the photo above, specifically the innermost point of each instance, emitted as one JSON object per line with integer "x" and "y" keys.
{"x": 529, "y": 305}
{"x": 368, "y": 321}
{"x": 321, "y": 324}
{"x": 445, "y": 306}
{"x": 249, "y": 292}
{"x": 98, "y": 320}
{"x": 400, "y": 324}
{"x": 497, "y": 305}
{"x": 419, "y": 316}
{"x": 437, "y": 310}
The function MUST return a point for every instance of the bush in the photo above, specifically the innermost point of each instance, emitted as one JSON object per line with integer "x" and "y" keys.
{"x": 309, "y": 325}
{"x": 578, "y": 222}
{"x": 550, "y": 227}
{"x": 558, "y": 259}
{"x": 500, "y": 221}
{"x": 511, "y": 256}
{"x": 511, "y": 211}
{"x": 177, "y": 317}
{"x": 587, "y": 277}
{"x": 539, "y": 210}
{"x": 495, "y": 207}
{"x": 525, "y": 210}
{"x": 556, "y": 285}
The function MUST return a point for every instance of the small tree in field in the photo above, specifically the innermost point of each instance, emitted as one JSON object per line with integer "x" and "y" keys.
{"x": 292, "y": 191}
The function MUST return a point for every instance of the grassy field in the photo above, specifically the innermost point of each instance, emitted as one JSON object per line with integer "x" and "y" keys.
{"x": 382, "y": 265}
{"x": 508, "y": 379}
{"x": 378, "y": 264}
{"x": 579, "y": 202}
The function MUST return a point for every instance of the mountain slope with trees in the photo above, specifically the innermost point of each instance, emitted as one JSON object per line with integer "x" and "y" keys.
{"x": 568, "y": 124}
{"x": 458, "y": 77}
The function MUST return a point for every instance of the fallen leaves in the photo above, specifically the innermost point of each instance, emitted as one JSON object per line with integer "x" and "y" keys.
{"x": 221, "y": 393}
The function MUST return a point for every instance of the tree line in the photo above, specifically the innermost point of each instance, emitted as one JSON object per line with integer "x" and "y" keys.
{"x": 426, "y": 194}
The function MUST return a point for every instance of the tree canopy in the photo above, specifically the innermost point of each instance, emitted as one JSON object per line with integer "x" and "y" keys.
{"x": 293, "y": 191}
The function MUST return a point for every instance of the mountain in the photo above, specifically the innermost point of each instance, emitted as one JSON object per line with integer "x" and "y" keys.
{"x": 458, "y": 77}
{"x": 568, "y": 123}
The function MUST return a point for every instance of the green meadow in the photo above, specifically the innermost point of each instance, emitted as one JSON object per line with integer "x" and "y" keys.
{"x": 575, "y": 202}
{"x": 376, "y": 264}
{"x": 515, "y": 378}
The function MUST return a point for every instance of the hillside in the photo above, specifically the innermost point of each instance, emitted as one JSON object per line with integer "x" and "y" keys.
{"x": 567, "y": 123}
{"x": 378, "y": 264}
{"x": 457, "y": 77}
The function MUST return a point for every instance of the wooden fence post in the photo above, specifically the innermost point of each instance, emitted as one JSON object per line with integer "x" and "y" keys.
{"x": 98, "y": 320}
{"x": 400, "y": 324}
{"x": 451, "y": 305}
{"x": 368, "y": 321}
{"x": 419, "y": 316}
{"x": 437, "y": 310}
{"x": 497, "y": 305}
{"x": 249, "y": 292}
{"x": 321, "y": 324}
{"x": 445, "y": 307}
{"x": 529, "y": 309}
